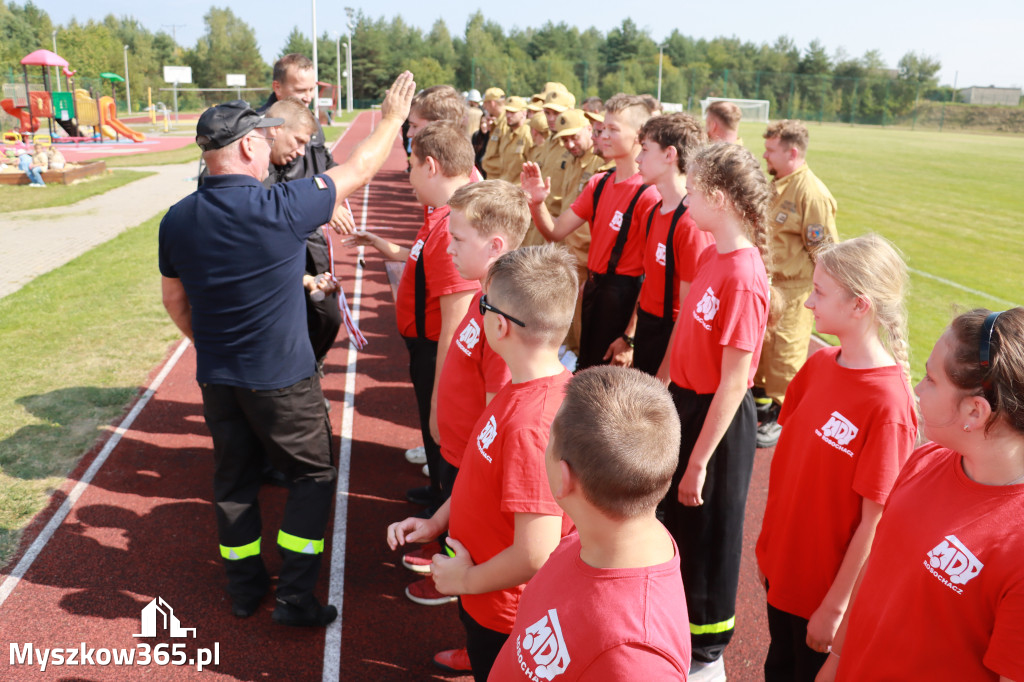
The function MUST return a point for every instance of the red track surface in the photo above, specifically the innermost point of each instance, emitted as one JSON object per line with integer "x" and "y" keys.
{"x": 145, "y": 526}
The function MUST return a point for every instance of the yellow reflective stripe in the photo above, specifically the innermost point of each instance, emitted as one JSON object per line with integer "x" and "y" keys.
{"x": 243, "y": 552}
{"x": 713, "y": 628}
{"x": 299, "y": 545}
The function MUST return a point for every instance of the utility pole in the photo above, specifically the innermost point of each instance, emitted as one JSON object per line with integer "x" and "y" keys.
{"x": 316, "y": 71}
{"x": 127, "y": 82}
{"x": 174, "y": 36}
{"x": 348, "y": 55}
{"x": 57, "y": 68}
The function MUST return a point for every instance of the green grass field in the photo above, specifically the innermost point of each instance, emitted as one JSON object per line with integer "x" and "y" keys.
{"x": 22, "y": 197}
{"x": 949, "y": 201}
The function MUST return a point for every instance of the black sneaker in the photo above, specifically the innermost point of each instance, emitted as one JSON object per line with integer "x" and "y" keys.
{"x": 769, "y": 430}
{"x": 245, "y": 607}
{"x": 421, "y": 496}
{"x": 303, "y": 612}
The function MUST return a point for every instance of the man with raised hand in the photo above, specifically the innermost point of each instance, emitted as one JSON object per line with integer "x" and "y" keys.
{"x": 231, "y": 255}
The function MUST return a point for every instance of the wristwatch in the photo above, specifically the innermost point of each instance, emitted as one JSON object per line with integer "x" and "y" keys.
{"x": 630, "y": 341}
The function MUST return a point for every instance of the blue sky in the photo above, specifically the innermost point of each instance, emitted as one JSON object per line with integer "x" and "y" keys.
{"x": 977, "y": 43}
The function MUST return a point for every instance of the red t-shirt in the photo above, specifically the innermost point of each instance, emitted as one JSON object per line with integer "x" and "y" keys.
{"x": 503, "y": 474}
{"x": 577, "y": 622}
{"x": 727, "y": 306}
{"x": 688, "y": 243}
{"x": 441, "y": 276}
{"x": 471, "y": 370}
{"x": 847, "y": 432}
{"x": 605, "y": 226}
{"x": 942, "y": 597}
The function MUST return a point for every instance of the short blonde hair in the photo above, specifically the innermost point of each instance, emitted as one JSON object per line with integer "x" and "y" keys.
{"x": 791, "y": 133}
{"x": 619, "y": 432}
{"x": 439, "y": 103}
{"x": 538, "y": 285}
{"x": 494, "y": 207}
{"x": 448, "y": 145}
{"x": 296, "y": 115}
{"x": 632, "y": 108}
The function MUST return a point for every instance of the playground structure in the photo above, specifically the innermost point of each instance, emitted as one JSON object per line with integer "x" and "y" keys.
{"x": 70, "y": 111}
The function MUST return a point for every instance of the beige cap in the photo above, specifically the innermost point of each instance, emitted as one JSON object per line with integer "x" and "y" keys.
{"x": 594, "y": 116}
{"x": 560, "y": 101}
{"x": 492, "y": 94}
{"x": 515, "y": 103}
{"x": 570, "y": 122}
{"x": 539, "y": 122}
{"x": 535, "y": 106}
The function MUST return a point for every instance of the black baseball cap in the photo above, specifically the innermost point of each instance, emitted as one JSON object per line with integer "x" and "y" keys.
{"x": 221, "y": 125}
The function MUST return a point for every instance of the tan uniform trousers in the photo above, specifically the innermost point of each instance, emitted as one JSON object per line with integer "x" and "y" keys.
{"x": 785, "y": 344}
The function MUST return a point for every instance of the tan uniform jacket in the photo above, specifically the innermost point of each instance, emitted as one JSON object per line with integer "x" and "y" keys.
{"x": 803, "y": 218}
{"x": 512, "y": 150}
{"x": 577, "y": 175}
{"x": 490, "y": 164}
{"x": 473, "y": 116}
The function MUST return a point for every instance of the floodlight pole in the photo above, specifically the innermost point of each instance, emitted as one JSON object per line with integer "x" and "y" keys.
{"x": 316, "y": 71}
{"x": 337, "y": 82}
{"x": 127, "y": 82}
{"x": 56, "y": 68}
{"x": 661, "y": 58}
{"x": 348, "y": 58}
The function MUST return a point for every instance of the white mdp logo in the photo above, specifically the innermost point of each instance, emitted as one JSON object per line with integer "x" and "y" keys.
{"x": 708, "y": 305}
{"x": 470, "y": 336}
{"x": 840, "y": 429}
{"x": 544, "y": 642}
{"x": 167, "y": 620}
{"x": 487, "y": 436}
{"x": 659, "y": 254}
{"x": 953, "y": 558}
{"x": 414, "y": 252}
{"x": 616, "y": 223}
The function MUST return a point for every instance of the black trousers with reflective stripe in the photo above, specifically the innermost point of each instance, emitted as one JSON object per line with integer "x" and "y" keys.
{"x": 710, "y": 537}
{"x": 290, "y": 427}
{"x": 608, "y": 302}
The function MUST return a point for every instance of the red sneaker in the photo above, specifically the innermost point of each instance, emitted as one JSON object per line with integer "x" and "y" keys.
{"x": 453, "y": 660}
{"x": 418, "y": 561}
{"x": 424, "y": 592}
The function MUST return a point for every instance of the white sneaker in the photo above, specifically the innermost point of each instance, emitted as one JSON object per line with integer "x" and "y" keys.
{"x": 426, "y": 471}
{"x": 707, "y": 672}
{"x": 416, "y": 455}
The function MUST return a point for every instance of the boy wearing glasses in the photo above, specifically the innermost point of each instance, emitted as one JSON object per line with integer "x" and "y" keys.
{"x": 502, "y": 520}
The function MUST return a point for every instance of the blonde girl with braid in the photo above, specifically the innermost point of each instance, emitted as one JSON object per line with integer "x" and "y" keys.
{"x": 720, "y": 328}
{"x": 848, "y": 428}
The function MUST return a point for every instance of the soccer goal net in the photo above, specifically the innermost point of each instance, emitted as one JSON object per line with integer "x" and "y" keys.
{"x": 752, "y": 109}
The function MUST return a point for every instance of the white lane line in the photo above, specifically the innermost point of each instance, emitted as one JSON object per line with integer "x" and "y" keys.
{"x": 336, "y": 594}
{"x": 961, "y": 287}
{"x": 39, "y": 544}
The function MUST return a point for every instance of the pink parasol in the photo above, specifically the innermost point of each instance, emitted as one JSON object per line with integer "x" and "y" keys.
{"x": 44, "y": 58}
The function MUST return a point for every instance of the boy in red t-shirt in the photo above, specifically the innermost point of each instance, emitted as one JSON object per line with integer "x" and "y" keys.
{"x": 612, "y": 203}
{"x": 432, "y": 297}
{"x": 487, "y": 219}
{"x": 674, "y": 242}
{"x": 614, "y": 425}
{"x": 502, "y": 520}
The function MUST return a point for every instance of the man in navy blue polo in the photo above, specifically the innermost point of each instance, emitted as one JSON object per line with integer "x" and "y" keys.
{"x": 232, "y": 255}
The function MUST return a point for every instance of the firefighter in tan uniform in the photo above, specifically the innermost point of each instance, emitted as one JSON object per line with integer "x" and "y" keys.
{"x": 550, "y": 154}
{"x": 803, "y": 218}
{"x": 573, "y": 129}
{"x": 515, "y": 142}
{"x": 494, "y": 119}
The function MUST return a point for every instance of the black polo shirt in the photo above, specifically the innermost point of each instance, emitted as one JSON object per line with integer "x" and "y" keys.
{"x": 239, "y": 250}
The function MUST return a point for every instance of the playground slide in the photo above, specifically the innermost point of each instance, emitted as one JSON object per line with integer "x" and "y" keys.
{"x": 28, "y": 123}
{"x": 108, "y": 118}
{"x": 70, "y": 128}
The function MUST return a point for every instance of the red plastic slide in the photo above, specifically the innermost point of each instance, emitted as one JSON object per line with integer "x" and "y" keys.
{"x": 29, "y": 124}
{"x": 108, "y": 116}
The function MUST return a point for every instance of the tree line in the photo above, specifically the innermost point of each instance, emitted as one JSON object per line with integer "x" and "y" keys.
{"x": 809, "y": 82}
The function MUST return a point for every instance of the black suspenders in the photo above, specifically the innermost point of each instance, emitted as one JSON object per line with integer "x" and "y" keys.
{"x": 670, "y": 256}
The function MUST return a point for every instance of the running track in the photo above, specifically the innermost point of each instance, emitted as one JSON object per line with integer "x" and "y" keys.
{"x": 144, "y": 526}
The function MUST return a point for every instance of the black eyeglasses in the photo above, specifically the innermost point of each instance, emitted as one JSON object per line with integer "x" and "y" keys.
{"x": 485, "y": 306}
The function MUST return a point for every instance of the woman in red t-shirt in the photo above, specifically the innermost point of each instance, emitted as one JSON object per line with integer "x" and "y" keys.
{"x": 849, "y": 427}
{"x": 942, "y": 593}
{"x": 721, "y": 325}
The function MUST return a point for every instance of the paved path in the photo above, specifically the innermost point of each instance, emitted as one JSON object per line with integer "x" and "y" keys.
{"x": 35, "y": 241}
